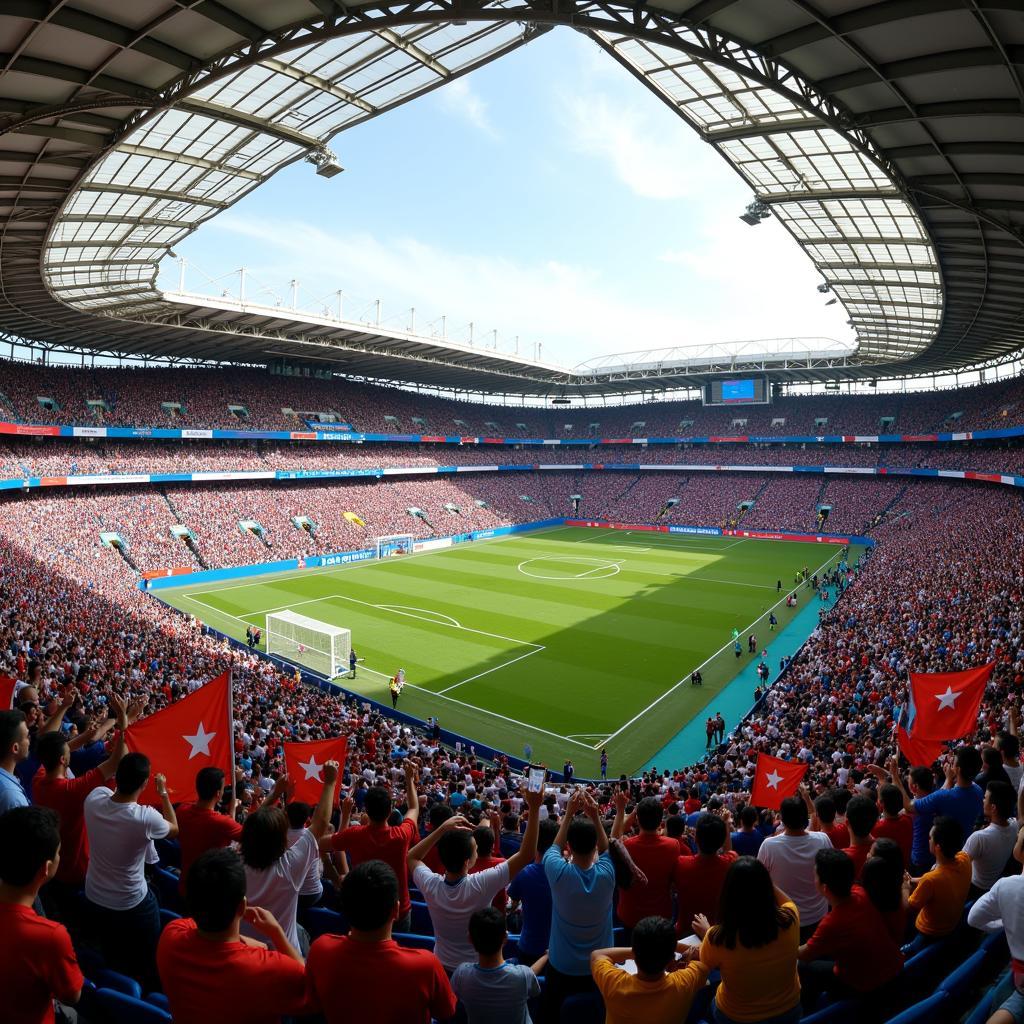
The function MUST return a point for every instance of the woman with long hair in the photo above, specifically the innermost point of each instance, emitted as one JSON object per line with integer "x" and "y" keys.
{"x": 883, "y": 880}
{"x": 754, "y": 945}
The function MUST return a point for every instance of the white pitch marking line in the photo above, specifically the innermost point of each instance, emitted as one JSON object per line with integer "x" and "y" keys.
{"x": 724, "y": 647}
{"x": 487, "y": 672}
{"x": 426, "y": 611}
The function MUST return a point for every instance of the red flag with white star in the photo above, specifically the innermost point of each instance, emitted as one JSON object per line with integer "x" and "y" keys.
{"x": 194, "y": 732}
{"x": 945, "y": 704}
{"x": 774, "y": 780}
{"x": 920, "y": 753}
{"x": 304, "y": 763}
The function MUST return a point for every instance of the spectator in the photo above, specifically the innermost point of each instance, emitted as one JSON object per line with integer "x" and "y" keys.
{"x": 882, "y": 878}
{"x": 366, "y": 975}
{"x": 825, "y": 811}
{"x": 851, "y": 952}
{"x": 699, "y": 879}
{"x": 754, "y": 946}
{"x": 530, "y": 889}
{"x": 492, "y": 990}
{"x": 37, "y": 961}
{"x": 861, "y": 818}
{"x": 991, "y": 848}
{"x": 200, "y": 826}
{"x": 747, "y": 841}
{"x": 66, "y": 797}
{"x": 582, "y": 887}
{"x": 894, "y": 823}
{"x": 14, "y": 747}
{"x": 484, "y": 836}
{"x": 961, "y": 798}
{"x": 275, "y": 871}
{"x": 1002, "y": 909}
{"x": 209, "y": 971}
{"x": 311, "y": 891}
{"x": 663, "y": 988}
{"x": 121, "y": 831}
{"x": 378, "y": 840}
{"x": 790, "y": 859}
{"x": 453, "y": 897}
{"x": 938, "y": 896}
{"x": 655, "y": 855}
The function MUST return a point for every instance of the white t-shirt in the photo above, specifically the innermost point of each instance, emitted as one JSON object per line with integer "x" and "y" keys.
{"x": 451, "y": 907}
{"x": 311, "y": 884}
{"x": 1002, "y": 908}
{"x": 277, "y": 888}
{"x": 790, "y": 862}
{"x": 120, "y": 837}
{"x": 989, "y": 850}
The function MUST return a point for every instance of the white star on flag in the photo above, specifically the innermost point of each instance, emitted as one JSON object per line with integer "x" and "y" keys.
{"x": 773, "y": 780}
{"x": 200, "y": 741}
{"x": 947, "y": 699}
{"x": 312, "y": 769}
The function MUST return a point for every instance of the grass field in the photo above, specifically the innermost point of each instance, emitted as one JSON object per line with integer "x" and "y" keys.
{"x": 567, "y": 639}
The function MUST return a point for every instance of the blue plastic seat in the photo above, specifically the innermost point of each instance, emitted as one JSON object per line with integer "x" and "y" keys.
{"x": 845, "y": 1011}
{"x": 987, "y": 1003}
{"x": 167, "y": 916}
{"x": 169, "y": 852}
{"x": 584, "y": 1008}
{"x": 106, "y": 978}
{"x": 421, "y": 923}
{"x": 927, "y": 1011}
{"x": 159, "y": 1000}
{"x": 919, "y": 970}
{"x": 321, "y": 921}
{"x": 165, "y": 885}
{"x": 961, "y": 981}
{"x": 118, "y": 1008}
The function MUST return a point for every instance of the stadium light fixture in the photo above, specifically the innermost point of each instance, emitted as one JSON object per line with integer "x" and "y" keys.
{"x": 824, "y": 287}
{"x": 756, "y": 212}
{"x": 325, "y": 162}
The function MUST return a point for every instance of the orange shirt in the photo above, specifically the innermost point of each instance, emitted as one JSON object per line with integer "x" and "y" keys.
{"x": 940, "y": 896}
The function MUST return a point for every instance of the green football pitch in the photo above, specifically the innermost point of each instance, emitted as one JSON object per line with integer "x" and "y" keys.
{"x": 567, "y": 639}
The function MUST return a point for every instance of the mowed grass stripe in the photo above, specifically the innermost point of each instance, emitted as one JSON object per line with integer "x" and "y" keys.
{"x": 612, "y": 645}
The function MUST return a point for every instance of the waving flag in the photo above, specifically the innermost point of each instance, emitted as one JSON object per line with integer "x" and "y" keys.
{"x": 304, "y": 763}
{"x": 945, "y": 704}
{"x": 7, "y": 686}
{"x": 919, "y": 752}
{"x": 774, "y": 780}
{"x": 195, "y": 732}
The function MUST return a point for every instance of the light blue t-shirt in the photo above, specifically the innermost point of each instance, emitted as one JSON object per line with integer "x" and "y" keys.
{"x": 12, "y": 794}
{"x": 495, "y": 995}
{"x": 581, "y": 910}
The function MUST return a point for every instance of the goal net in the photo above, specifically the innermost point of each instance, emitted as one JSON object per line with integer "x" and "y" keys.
{"x": 396, "y": 544}
{"x": 316, "y": 645}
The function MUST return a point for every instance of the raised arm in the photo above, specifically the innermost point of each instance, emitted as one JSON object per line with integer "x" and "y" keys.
{"x": 592, "y": 811}
{"x": 528, "y": 850}
{"x": 425, "y": 845}
{"x": 412, "y": 797}
{"x": 322, "y": 815}
{"x": 166, "y": 808}
{"x": 619, "y": 825}
{"x": 54, "y": 722}
{"x": 109, "y": 766}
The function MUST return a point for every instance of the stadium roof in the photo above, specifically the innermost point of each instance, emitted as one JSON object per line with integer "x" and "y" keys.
{"x": 887, "y": 137}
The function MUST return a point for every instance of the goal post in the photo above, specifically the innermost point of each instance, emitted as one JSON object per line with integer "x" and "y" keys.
{"x": 395, "y": 544}
{"x": 318, "y": 646}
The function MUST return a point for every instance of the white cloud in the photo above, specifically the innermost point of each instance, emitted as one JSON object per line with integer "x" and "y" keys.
{"x": 458, "y": 98}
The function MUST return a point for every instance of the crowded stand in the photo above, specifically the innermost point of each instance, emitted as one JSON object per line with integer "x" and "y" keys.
{"x": 863, "y": 861}
{"x": 253, "y": 399}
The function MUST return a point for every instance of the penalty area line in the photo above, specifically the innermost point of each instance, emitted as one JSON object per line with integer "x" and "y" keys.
{"x": 487, "y": 672}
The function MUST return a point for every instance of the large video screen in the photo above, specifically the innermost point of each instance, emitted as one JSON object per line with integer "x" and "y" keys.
{"x": 737, "y": 391}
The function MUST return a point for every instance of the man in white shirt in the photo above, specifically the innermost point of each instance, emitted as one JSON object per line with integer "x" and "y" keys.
{"x": 453, "y": 897}
{"x": 991, "y": 847}
{"x": 789, "y": 858}
{"x": 121, "y": 832}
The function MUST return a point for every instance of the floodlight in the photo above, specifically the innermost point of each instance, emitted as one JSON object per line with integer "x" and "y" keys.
{"x": 824, "y": 287}
{"x": 326, "y": 163}
{"x": 756, "y": 212}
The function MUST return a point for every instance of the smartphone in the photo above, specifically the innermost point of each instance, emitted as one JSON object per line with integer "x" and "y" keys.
{"x": 535, "y": 779}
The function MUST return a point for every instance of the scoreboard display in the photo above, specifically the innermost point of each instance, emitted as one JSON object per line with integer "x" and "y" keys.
{"x": 737, "y": 391}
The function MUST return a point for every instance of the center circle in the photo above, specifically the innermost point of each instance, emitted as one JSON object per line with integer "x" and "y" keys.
{"x": 585, "y": 568}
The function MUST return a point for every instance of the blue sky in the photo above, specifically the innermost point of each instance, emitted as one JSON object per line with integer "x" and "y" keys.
{"x": 549, "y": 195}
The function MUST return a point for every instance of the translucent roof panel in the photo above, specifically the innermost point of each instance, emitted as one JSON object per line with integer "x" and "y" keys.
{"x": 836, "y": 199}
{"x": 228, "y": 134}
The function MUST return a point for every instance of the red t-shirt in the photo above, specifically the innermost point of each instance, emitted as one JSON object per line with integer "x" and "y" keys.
{"x": 699, "y": 884}
{"x": 900, "y": 830}
{"x": 389, "y": 843}
{"x": 656, "y": 856}
{"x": 839, "y": 835}
{"x": 482, "y": 864}
{"x": 37, "y": 965}
{"x": 858, "y": 854}
{"x": 199, "y": 830}
{"x": 692, "y": 805}
{"x": 377, "y": 981}
{"x": 854, "y": 935}
{"x": 227, "y": 982}
{"x": 66, "y": 797}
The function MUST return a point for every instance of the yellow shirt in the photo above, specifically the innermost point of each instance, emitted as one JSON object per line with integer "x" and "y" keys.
{"x": 940, "y": 896}
{"x": 632, "y": 1000}
{"x": 757, "y": 983}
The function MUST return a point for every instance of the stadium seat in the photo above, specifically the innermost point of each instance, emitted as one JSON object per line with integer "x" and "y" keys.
{"x": 167, "y": 916}
{"x": 845, "y": 1011}
{"x": 927, "y": 1011}
{"x": 960, "y": 982}
{"x": 585, "y": 1008}
{"x": 421, "y": 923}
{"x": 169, "y": 852}
{"x": 414, "y": 941}
{"x": 165, "y": 885}
{"x": 107, "y": 978}
{"x": 995, "y": 948}
{"x": 159, "y": 1000}
{"x": 987, "y": 1003}
{"x": 118, "y": 1008}
{"x": 321, "y": 921}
